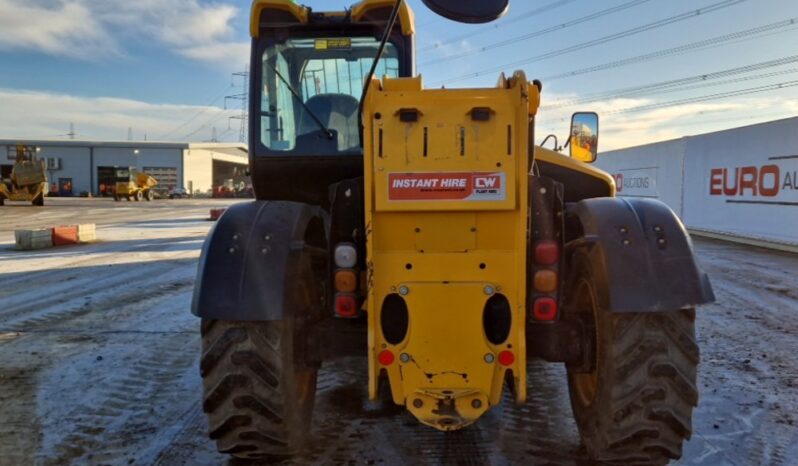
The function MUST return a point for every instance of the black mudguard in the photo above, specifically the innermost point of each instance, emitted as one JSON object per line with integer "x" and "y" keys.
{"x": 247, "y": 258}
{"x": 642, "y": 253}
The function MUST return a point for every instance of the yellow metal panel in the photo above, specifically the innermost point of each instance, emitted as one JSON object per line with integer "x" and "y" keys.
{"x": 445, "y": 252}
{"x": 499, "y": 267}
{"x": 403, "y": 84}
{"x": 398, "y": 233}
{"x": 406, "y": 16}
{"x": 446, "y": 160}
{"x": 557, "y": 158}
{"x": 298, "y": 11}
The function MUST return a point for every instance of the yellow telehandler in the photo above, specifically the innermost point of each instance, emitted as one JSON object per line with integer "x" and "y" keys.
{"x": 28, "y": 181}
{"x": 429, "y": 222}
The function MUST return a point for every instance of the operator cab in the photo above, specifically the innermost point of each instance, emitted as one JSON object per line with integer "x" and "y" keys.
{"x": 125, "y": 174}
{"x": 307, "y": 78}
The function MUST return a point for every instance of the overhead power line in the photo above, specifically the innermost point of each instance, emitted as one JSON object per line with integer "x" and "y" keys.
{"x": 602, "y": 40}
{"x": 522, "y": 16}
{"x": 682, "y": 84}
{"x": 523, "y": 37}
{"x": 704, "y": 98}
{"x": 779, "y": 26}
{"x": 196, "y": 115}
{"x": 222, "y": 113}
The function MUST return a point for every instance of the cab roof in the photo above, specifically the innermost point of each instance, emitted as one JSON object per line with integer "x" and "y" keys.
{"x": 288, "y": 12}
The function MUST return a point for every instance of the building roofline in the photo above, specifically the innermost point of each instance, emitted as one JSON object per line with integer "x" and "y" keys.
{"x": 123, "y": 144}
{"x": 688, "y": 136}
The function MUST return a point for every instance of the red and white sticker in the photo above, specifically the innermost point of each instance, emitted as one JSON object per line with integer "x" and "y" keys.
{"x": 447, "y": 186}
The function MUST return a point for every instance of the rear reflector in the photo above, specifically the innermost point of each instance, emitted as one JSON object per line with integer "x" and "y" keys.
{"x": 547, "y": 253}
{"x": 386, "y": 357}
{"x": 545, "y": 309}
{"x": 545, "y": 281}
{"x": 345, "y": 281}
{"x": 345, "y": 256}
{"x": 506, "y": 358}
{"x": 345, "y": 305}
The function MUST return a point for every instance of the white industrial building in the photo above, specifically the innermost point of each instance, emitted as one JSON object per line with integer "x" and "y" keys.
{"x": 75, "y": 167}
{"x": 740, "y": 183}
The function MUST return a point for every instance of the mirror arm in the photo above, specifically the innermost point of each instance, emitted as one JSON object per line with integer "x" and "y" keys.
{"x": 547, "y": 138}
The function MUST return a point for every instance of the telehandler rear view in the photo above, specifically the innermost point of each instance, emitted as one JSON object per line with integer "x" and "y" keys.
{"x": 427, "y": 220}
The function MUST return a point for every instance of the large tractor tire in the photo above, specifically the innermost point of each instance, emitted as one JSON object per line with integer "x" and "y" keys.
{"x": 636, "y": 406}
{"x": 259, "y": 385}
{"x": 150, "y": 195}
{"x": 139, "y": 196}
{"x": 259, "y": 402}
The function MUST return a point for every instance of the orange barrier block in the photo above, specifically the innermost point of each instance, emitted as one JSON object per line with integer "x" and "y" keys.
{"x": 65, "y": 235}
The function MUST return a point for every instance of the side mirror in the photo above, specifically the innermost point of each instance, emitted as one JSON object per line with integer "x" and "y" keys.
{"x": 469, "y": 11}
{"x": 583, "y": 140}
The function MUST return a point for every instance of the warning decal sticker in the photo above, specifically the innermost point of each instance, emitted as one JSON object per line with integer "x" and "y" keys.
{"x": 447, "y": 186}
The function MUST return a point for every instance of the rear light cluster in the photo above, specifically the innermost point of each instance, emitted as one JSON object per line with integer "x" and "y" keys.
{"x": 546, "y": 280}
{"x": 345, "y": 280}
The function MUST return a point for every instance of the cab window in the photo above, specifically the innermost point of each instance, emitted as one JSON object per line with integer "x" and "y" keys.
{"x": 310, "y": 93}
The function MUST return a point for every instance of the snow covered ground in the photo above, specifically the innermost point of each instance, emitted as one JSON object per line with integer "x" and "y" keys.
{"x": 98, "y": 360}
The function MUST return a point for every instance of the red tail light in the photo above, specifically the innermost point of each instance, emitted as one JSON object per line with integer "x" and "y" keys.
{"x": 506, "y": 358}
{"x": 545, "y": 309}
{"x": 345, "y": 305}
{"x": 386, "y": 357}
{"x": 547, "y": 253}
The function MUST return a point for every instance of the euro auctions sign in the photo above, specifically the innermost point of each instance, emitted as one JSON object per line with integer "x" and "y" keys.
{"x": 775, "y": 182}
{"x": 447, "y": 186}
{"x": 743, "y": 192}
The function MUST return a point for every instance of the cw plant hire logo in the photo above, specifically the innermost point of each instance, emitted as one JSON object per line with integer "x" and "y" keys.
{"x": 470, "y": 186}
{"x": 771, "y": 183}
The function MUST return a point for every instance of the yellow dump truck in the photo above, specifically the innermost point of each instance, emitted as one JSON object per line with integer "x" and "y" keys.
{"x": 28, "y": 181}
{"x": 133, "y": 185}
{"x": 423, "y": 230}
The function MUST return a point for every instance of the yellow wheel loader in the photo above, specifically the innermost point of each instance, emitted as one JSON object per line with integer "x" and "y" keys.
{"x": 133, "y": 185}
{"x": 429, "y": 222}
{"x": 28, "y": 181}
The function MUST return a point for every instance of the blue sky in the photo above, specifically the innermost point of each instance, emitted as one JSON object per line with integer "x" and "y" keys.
{"x": 163, "y": 67}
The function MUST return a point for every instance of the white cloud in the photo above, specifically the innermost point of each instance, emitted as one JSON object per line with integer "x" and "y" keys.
{"x": 62, "y": 28}
{"x": 231, "y": 54}
{"x": 90, "y": 29}
{"x": 619, "y": 130}
{"x": 42, "y": 115}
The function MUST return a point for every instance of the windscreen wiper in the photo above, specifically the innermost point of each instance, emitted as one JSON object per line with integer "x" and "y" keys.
{"x": 296, "y": 95}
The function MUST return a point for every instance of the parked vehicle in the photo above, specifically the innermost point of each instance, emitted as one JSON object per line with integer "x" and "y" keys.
{"x": 178, "y": 193}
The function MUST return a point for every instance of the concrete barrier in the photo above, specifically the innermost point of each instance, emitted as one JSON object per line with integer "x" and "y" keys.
{"x": 34, "y": 239}
{"x": 44, "y": 238}
{"x": 87, "y": 233}
{"x": 65, "y": 235}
